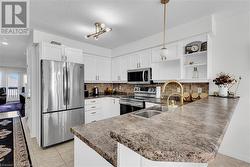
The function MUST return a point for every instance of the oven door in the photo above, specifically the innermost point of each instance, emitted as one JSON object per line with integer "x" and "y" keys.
{"x": 128, "y": 107}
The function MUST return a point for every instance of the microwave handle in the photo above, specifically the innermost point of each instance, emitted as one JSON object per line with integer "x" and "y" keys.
{"x": 143, "y": 77}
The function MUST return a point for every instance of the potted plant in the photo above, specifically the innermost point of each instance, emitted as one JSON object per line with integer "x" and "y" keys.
{"x": 224, "y": 82}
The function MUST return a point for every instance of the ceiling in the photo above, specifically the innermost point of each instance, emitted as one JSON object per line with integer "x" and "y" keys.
{"x": 130, "y": 19}
{"x": 15, "y": 50}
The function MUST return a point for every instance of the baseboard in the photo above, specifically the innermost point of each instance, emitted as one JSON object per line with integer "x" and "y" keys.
{"x": 236, "y": 156}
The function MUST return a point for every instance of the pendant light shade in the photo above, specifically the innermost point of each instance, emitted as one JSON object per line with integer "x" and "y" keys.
{"x": 164, "y": 51}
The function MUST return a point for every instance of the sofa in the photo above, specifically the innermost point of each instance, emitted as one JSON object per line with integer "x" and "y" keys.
{"x": 3, "y": 95}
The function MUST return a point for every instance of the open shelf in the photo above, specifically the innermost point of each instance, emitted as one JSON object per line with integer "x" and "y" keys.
{"x": 194, "y": 65}
{"x": 197, "y": 53}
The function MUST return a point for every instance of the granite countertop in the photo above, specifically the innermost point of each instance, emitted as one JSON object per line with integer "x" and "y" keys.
{"x": 191, "y": 133}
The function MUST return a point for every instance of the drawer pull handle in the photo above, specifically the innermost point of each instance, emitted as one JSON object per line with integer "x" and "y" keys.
{"x": 93, "y": 121}
{"x": 93, "y": 107}
{"x": 93, "y": 101}
{"x": 93, "y": 113}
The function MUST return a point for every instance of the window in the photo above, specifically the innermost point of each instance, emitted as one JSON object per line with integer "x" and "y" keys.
{"x": 13, "y": 79}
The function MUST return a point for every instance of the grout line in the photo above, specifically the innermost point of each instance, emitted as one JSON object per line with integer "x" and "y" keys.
{"x": 62, "y": 158}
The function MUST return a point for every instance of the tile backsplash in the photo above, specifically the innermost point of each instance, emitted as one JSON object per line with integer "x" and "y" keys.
{"x": 129, "y": 88}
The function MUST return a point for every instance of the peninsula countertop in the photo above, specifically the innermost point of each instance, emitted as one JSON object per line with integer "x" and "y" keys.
{"x": 191, "y": 133}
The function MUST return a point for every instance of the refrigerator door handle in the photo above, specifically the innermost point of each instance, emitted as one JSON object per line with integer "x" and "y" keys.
{"x": 64, "y": 86}
{"x": 68, "y": 86}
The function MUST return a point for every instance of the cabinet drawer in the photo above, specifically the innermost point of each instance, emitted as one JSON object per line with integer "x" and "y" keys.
{"x": 93, "y": 115}
{"x": 92, "y": 107}
{"x": 92, "y": 101}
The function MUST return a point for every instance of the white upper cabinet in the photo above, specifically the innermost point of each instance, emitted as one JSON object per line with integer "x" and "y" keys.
{"x": 74, "y": 55}
{"x": 134, "y": 60}
{"x": 51, "y": 52}
{"x": 103, "y": 68}
{"x": 145, "y": 58}
{"x": 89, "y": 68}
{"x": 60, "y": 53}
{"x": 119, "y": 68}
{"x": 172, "y": 53}
{"x": 97, "y": 69}
{"x": 140, "y": 59}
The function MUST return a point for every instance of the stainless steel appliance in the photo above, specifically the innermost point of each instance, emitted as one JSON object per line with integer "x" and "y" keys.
{"x": 62, "y": 100}
{"x": 130, "y": 104}
{"x": 137, "y": 102}
{"x": 140, "y": 76}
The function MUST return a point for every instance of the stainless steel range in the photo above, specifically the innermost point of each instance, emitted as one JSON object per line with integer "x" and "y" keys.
{"x": 137, "y": 102}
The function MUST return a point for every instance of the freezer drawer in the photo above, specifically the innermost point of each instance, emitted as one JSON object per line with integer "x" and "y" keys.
{"x": 56, "y": 126}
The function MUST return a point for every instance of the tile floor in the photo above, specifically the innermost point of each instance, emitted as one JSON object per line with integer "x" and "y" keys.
{"x": 62, "y": 155}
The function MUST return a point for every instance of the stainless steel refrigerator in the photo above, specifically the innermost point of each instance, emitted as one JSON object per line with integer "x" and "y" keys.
{"x": 62, "y": 99}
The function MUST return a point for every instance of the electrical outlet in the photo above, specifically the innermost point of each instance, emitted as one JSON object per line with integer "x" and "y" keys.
{"x": 178, "y": 90}
{"x": 120, "y": 87}
{"x": 199, "y": 90}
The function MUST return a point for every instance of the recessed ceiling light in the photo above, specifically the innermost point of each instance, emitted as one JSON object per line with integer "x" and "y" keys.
{"x": 5, "y": 43}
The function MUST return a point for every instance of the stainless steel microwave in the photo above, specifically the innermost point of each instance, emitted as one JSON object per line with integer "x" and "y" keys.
{"x": 140, "y": 76}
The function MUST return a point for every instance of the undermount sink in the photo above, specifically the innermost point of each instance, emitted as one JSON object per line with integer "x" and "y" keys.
{"x": 159, "y": 108}
{"x": 147, "y": 113}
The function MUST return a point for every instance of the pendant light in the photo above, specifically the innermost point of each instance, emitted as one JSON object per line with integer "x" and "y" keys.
{"x": 164, "y": 51}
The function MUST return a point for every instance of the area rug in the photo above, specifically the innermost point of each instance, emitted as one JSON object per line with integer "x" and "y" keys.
{"x": 13, "y": 147}
{"x": 14, "y": 106}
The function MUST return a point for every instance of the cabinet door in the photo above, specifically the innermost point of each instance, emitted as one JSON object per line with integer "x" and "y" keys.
{"x": 115, "y": 69}
{"x": 134, "y": 60}
{"x": 93, "y": 115}
{"x": 103, "y": 65}
{"x": 145, "y": 59}
{"x": 115, "y": 111}
{"x": 123, "y": 64}
{"x": 110, "y": 107}
{"x": 74, "y": 55}
{"x": 52, "y": 52}
{"x": 89, "y": 68}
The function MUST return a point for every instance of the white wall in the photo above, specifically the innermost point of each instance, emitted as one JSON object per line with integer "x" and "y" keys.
{"x": 197, "y": 27}
{"x": 39, "y": 36}
{"x": 13, "y": 62}
{"x": 230, "y": 45}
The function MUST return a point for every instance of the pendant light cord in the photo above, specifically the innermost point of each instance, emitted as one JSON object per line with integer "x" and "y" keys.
{"x": 164, "y": 26}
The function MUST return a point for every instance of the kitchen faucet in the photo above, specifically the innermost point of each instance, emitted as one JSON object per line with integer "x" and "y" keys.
{"x": 179, "y": 94}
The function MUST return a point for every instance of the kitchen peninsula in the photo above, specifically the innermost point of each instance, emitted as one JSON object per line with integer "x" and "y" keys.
{"x": 188, "y": 136}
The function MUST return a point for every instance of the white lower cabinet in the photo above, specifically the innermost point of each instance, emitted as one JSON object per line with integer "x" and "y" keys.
{"x": 101, "y": 108}
{"x": 93, "y": 110}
